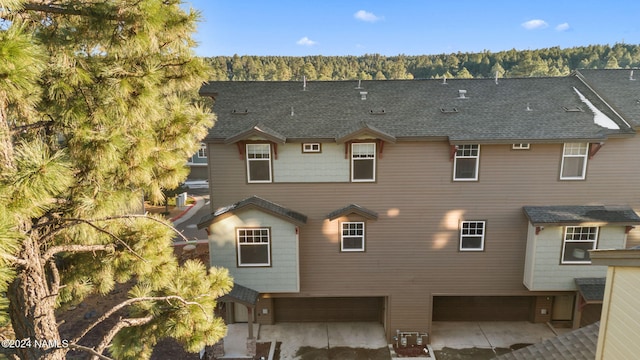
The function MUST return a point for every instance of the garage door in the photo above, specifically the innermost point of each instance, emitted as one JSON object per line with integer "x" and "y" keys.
{"x": 329, "y": 309}
{"x": 482, "y": 308}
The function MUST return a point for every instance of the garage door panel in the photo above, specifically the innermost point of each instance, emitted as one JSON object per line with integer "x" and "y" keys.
{"x": 328, "y": 309}
{"x": 482, "y": 308}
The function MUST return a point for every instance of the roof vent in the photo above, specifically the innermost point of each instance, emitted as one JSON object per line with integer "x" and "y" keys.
{"x": 631, "y": 76}
{"x": 304, "y": 83}
{"x": 381, "y": 112}
{"x": 462, "y": 94}
{"x": 529, "y": 107}
{"x": 573, "y": 109}
{"x": 359, "y": 84}
{"x": 363, "y": 95}
{"x": 448, "y": 111}
{"x": 239, "y": 112}
{"x": 292, "y": 113}
{"x": 444, "y": 80}
{"x": 496, "y": 78}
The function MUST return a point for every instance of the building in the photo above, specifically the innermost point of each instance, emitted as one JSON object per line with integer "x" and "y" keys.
{"x": 407, "y": 202}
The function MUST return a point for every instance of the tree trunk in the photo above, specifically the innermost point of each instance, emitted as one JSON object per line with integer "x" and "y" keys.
{"x": 32, "y": 309}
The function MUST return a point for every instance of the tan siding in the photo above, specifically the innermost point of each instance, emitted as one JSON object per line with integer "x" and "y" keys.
{"x": 412, "y": 249}
{"x": 621, "y": 321}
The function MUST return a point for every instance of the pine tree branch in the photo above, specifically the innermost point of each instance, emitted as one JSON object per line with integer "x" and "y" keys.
{"x": 132, "y": 301}
{"x": 54, "y": 283}
{"x": 89, "y": 350}
{"x": 14, "y": 259}
{"x": 48, "y": 255}
{"x": 121, "y": 324}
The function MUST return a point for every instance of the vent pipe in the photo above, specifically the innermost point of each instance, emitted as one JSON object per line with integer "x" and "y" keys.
{"x": 304, "y": 83}
{"x": 444, "y": 79}
{"x": 631, "y": 76}
{"x": 496, "y": 78}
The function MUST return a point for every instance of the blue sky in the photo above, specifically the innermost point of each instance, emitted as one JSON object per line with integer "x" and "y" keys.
{"x": 411, "y": 27}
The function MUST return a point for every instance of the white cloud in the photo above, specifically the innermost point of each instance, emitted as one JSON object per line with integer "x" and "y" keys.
{"x": 305, "y": 41}
{"x": 563, "y": 27}
{"x": 367, "y": 16}
{"x": 535, "y": 24}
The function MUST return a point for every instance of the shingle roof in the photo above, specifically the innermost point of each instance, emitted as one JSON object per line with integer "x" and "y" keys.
{"x": 256, "y": 202}
{"x": 579, "y": 344}
{"x": 353, "y": 209}
{"x": 241, "y": 294}
{"x": 524, "y": 109}
{"x": 581, "y": 214}
{"x": 618, "y": 87}
{"x": 591, "y": 289}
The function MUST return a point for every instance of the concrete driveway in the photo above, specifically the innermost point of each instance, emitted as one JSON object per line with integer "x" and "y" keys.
{"x": 295, "y": 336}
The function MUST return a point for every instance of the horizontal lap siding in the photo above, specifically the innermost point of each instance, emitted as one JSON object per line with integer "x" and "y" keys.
{"x": 412, "y": 248}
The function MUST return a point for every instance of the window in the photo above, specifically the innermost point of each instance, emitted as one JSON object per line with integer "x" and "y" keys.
{"x": 352, "y": 236}
{"x": 202, "y": 152}
{"x": 259, "y": 163}
{"x": 578, "y": 240}
{"x": 574, "y": 161}
{"x": 465, "y": 164}
{"x": 363, "y": 162}
{"x": 254, "y": 247}
{"x": 311, "y": 148}
{"x": 520, "y": 147}
{"x": 472, "y": 236}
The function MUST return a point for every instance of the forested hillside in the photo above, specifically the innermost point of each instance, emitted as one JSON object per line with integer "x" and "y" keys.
{"x": 544, "y": 62}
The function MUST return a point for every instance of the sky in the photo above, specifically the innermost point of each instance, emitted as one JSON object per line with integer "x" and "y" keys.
{"x": 410, "y": 27}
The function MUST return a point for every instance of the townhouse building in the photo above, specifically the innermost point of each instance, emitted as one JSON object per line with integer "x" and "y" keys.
{"x": 412, "y": 201}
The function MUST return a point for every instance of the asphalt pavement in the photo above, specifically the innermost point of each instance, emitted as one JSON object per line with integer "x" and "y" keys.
{"x": 188, "y": 223}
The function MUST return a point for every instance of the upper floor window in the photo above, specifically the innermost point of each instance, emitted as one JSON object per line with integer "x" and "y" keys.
{"x": 259, "y": 163}
{"x": 311, "y": 148}
{"x": 523, "y": 146}
{"x": 578, "y": 240}
{"x": 466, "y": 162}
{"x": 574, "y": 161}
{"x": 202, "y": 152}
{"x": 472, "y": 236}
{"x": 363, "y": 162}
{"x": 254, "y": 247}
{"x": 352, "y": 236}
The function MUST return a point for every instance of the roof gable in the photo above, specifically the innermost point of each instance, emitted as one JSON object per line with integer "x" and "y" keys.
{"x": 353, "y": 209}
{"x": 254, "y": 202}
{"x": 259, "y": 130}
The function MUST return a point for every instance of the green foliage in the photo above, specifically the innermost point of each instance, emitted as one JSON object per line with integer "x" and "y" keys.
{"x": 99, "y": 105}
{"x": 512, "y": 63}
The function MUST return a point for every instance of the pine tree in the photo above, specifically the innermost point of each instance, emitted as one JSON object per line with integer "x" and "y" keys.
{"x": 98, "y": 105}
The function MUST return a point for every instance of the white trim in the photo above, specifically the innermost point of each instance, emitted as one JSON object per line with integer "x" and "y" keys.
{"x": 589, "y": 232}
{"x": 521, "y": 146}
{"x": 477, "y": 233}
{"x": 249, "y": 160}
{"x": 311, "y": 147}
{"x": 571, "y": 148}
{"x": 253, "y": 235}
{"x": 461, "y": 149}
{"x": 360, "y": 236}
{"x": 365, "y": 157}
{"x": 203, "y": 149}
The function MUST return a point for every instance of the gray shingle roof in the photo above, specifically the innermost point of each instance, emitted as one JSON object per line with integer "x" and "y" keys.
{"x": 591, "y": 289}
{"x": 241, "y": 294}
{"x": 353, "y": 209}
{"x": 514, "y": 110}
{"x": 256, "y": 202}
{"x": 618, "y": 87}
{"x": 581, "y": 214}
{"x": 579, "y": 344}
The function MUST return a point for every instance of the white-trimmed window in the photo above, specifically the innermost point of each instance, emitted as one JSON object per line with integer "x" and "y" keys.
{"x": 311, "y": 148}
{"x": 352, "y": 236}
{"x": 259, "y": 163}
{"x": 254, "y": 247}
{"x": 520, "y": 146}
{"x": 472, "y": 235}
{"x": 363, "y": 162}
{"x": 574, "y": 161}
{"x": 577, "y": 242}
{"x": 202, "y": 152}
{"x": 466, "y": 162}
